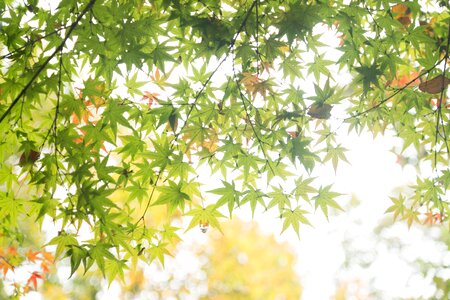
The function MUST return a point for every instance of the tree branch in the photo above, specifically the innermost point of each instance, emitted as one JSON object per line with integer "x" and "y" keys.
{"x": 44, "y": 65}
{"x": 196, "y": 98}
{"x": 398, "y": 91}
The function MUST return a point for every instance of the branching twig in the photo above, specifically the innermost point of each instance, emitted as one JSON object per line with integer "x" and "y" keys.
{"x": 196, "y": 98}
{"x": 398, "y": 91}
{"x": 258, "y": 63}
{"x": 207, "y": 81}
{"x": 32, "y": 42}
{"x": 439, "y": 118}
{"x": 44, "y": 65}
{"x": 260, "y": 142}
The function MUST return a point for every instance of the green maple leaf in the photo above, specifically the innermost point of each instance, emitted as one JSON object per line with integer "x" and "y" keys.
{"x": 62, "y": 241}
{"x": 161, "y": 155}
{"x": 158, "y": 252}
{"x": 137, "y": 191}
{"x": 335, "y": 154}
{"x": 10, "y": 207}
{"x": 298, "y": 148}
{"x": 369, "y": 75}
{"x": 320, "y": 66}
{"x": 6, "y": 176}
{"x": 253, "y": 197}
{"x": 205, "y": 215}
{"x": 229, "y": 195}
{"x": 303, "y": 188}
{"x": 398, "y": 208}
{"x": 279, "y": 198}
{"x": 114, "y": 115}
{"x": 169, "y": 233}
{"x": 325, "y": 198}
{"x": 99, "y": 253}
{"x": 293, "y": 218}
{"x": 411, "y": 215}
{"x": 172, "y": 196}
{"x": 115, "y": 269}
{"x": 76, "y": 254}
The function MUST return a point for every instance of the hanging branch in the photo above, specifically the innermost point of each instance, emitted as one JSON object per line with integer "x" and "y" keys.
{"x": 44, "y": 65}
{"x": 258, "y": 138}
{"x": 207, "y": 81}
{"x": 32, "y": 42}
{"x": 196, "y": 98}
{"x": 258, "y": 63}
{"x": 398, "y": 91}
{"x": 439, "y": 118}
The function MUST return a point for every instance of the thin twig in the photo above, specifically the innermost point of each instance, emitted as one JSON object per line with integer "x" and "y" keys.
{"x": 44, "y": 65}
{"x": 196, "y": 98}
{"x": 230, "y": 47}
{"x": 261, "y": 144}
{"x": 439, "y": 118}
{"x": 32, "y": 42}
{"x": 258, "y": 63}
{"x": 395, "y": 93}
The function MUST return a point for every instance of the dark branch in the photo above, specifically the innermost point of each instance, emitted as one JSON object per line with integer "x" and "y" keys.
{"x": 44, "y": 65}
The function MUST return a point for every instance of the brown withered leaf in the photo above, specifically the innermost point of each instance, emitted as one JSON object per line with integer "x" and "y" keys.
{"x": 402, "y": 13}
{"x": 435, "y": 85}
{"x": 320, "y": 111}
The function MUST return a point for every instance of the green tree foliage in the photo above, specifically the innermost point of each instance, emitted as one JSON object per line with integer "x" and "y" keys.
{"x": 139, "y": 98}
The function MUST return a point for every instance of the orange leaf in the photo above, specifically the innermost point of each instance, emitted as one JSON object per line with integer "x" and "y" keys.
{"x": 44, "y": 267}
{"x": 429, "y": 218}
{"x": 435, "y": 85}
{"x": 402, "y": 13}
{"x": 150, "y": 97}
{"x": 48, "y": 256}
{"x": 32, "y": 256}
{"x": 5, "y": 266}
{"x": 33, "y": 279}
{"x": 12, "y": 250}
{"x": 402, "y": 80}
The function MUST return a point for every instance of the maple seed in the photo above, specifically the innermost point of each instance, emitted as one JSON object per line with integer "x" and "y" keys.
{"x": 435, "y": 85}
{"x": 204, "y": 226}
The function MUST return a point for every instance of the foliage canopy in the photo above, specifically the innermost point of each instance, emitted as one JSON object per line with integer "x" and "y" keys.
{"x": 110, "y": 110}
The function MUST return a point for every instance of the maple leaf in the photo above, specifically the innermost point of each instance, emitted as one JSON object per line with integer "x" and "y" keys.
{"x": 249, "y": 81}
{"x": 325, "y": 199}
{"x": 435, "y": 85}
{"x": 150, "y": 97}
{"x": 335, "y": 154}
{"x": 172, "y": 196}
{"x": 402, "y": 13}
{"x": 5, "y": 266}
{"x": 158, "y": 252}
{"x": 411, "y": 216}
{"x": 293, "y": 218}
{"x": 403, "y": 80}
{"x": 320, "y": 110}
{"x": 369, "y": 75}
{"x": 205, "y": 215}
{"x": 32, "y": 256}
{"x": 229, "y": 195}
{"x": 45, "y": 267}
{"x": 33, "y": 279}
{"x": 47, "y": 256}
